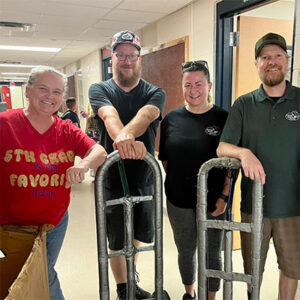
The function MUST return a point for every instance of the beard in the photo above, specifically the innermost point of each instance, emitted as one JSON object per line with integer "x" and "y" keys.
{"x": 271, "y": 80}
{"x": 128, "y": 81}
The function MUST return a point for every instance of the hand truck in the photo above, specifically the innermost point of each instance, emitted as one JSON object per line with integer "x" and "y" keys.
{"x": 129, "y": 249}
{"x": 255, "y": 227}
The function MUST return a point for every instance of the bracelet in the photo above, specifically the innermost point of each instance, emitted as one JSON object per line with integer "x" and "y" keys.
{"x": 224, "y": 197}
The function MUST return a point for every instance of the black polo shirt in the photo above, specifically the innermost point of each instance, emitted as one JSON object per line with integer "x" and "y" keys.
{"x": 270, "y": 129}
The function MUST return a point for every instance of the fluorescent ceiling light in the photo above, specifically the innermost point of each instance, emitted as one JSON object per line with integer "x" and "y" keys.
{"x": 19, "y": 78}
{"x": 25, "y": 48}
{"x": 14, "y": 73}
{"x": 18, "y": 66}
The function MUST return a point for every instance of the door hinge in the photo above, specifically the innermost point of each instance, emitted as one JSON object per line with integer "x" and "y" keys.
{"x": 234, "y": 39}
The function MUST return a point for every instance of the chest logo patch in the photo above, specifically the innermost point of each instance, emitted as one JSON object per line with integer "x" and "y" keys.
{"x": 213, "y": 130}
{"x": 292, "y": 116}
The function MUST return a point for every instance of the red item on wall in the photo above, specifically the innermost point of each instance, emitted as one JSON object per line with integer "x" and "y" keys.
{"x": 6, "y": 97}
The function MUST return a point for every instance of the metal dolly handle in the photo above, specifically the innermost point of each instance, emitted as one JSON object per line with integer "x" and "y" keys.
{"x": 129, "y": 250}
{"x": 255, "y": 227}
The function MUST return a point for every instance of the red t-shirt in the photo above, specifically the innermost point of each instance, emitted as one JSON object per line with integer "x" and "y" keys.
{"x": 33, "y": 168}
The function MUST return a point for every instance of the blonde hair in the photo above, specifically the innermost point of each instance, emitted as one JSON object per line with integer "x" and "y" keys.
{"x": 46, "y": 69}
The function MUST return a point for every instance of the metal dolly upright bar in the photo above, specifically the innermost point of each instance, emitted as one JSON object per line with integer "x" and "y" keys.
{"x": 129, "y": 250}
{"x": 255, "y": 227}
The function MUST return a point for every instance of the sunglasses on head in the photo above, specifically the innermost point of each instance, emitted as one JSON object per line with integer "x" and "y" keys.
{"x": 196, "y": 63}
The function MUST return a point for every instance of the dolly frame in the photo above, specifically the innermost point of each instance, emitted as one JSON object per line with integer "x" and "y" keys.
{"x": 255, "y": 227}
{"x": 129, "y": 249}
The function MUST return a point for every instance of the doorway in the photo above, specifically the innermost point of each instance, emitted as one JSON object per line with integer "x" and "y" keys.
{"x": 229, "y": 14}
{"x": 251, "y": 26}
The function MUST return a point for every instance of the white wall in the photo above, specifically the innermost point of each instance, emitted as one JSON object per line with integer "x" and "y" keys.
{"x": 17, "y": 98}
{"x": 195, "y": 20}
{"x": 91, "y": 72}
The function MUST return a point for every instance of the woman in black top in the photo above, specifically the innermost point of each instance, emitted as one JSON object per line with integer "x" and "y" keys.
{"x": 189, "y": 137}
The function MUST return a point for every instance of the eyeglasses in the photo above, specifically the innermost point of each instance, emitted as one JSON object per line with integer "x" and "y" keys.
{"x": 196, "y": 63}
{"x": 123, "y": 57}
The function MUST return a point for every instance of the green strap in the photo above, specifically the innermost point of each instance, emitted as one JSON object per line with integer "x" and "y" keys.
{"x": 123, "y": 178}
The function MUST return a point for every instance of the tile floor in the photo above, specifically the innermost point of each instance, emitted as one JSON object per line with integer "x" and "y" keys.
{"x": 78, "y": 265}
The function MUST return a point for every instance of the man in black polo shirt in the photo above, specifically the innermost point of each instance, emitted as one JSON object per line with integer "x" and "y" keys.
{"x": 262, "y": 130}
{"x": 128, "y": 110}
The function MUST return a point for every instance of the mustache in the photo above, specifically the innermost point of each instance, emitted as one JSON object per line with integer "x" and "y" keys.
{"x": 127, "y": 66}
{"x": 272, "y": 67}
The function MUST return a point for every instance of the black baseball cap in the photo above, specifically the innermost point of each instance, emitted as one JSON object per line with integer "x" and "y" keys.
{"x": 126, "y": 37}
{"x": 270, "y": 39}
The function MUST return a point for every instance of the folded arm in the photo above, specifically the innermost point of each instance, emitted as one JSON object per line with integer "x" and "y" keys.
{"x": 124, "y": 136}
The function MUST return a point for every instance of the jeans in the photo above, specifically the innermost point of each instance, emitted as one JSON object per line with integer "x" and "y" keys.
{"x": 55, "y": 240}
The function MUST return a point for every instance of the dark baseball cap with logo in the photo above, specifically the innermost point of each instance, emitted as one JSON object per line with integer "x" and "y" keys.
{"x": 126, "y": 37}
{"x": 269, "y": 39}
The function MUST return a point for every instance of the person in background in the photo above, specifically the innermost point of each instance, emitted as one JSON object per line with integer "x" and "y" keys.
{"x": 262, "y": 131}
{"x": 189, "y": 137}
{"x": 92, "y": 131}
{"x": 128, "y": 110}
{"x": 71, "y": 114}
{"x": 91, "y": 128}
{"x": 37, "y": 153}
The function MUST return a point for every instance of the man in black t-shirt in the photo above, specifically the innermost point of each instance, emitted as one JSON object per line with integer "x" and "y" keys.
{"x": 71, "y": 114}
{"x": 128, "y": 110}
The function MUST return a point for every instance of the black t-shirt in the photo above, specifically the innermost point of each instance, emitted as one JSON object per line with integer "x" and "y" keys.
{"x": 71, "y": 115}
{"x": 187, "y": 140}
{"x": 127, "y": 105}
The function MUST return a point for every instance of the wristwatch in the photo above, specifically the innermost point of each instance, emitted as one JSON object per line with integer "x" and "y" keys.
{"x": 224, "y": 197}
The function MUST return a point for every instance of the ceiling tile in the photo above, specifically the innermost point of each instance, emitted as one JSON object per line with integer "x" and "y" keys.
{"x": 161, "y": 6}
{"x": 136, "y": 16}
{"x": 78, "y": 12}
{"x": 19, "y": 16}
{"x": 92, "y": 3}
{"x": 115, "y": 26}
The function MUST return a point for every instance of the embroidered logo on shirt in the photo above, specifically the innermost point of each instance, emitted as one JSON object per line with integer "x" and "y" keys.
{"x": 292, "y": 116}
{"x": 213, "y": 130}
